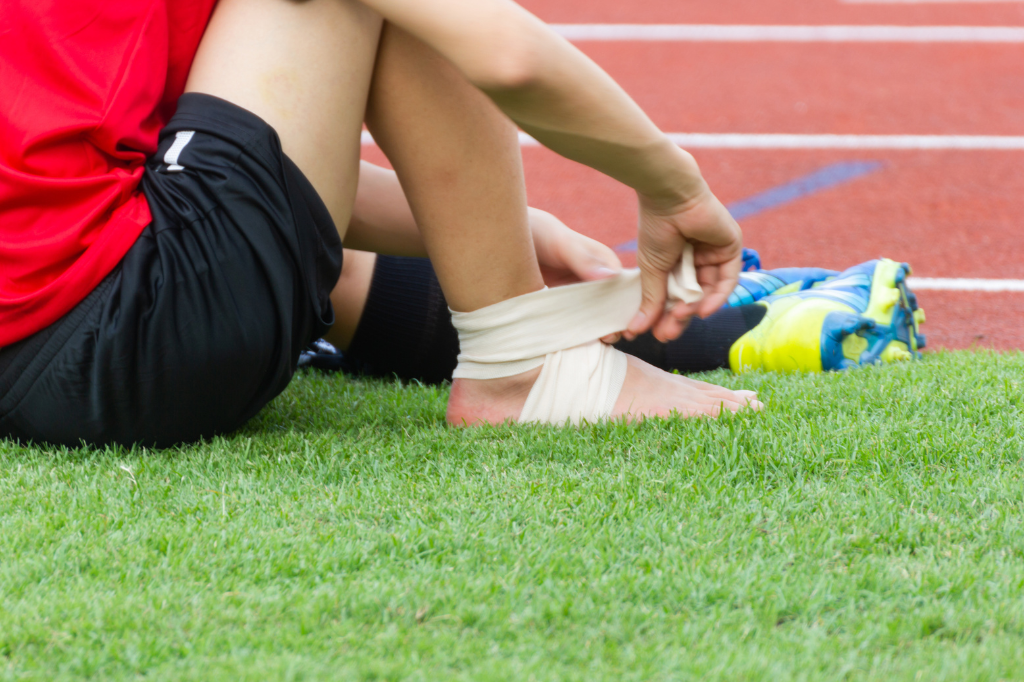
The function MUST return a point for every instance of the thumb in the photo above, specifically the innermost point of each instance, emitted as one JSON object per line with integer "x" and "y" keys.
{"x": 653, "y": 284}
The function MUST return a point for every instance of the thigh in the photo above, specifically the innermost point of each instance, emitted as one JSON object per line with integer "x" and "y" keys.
{"x": 304, "y": 68}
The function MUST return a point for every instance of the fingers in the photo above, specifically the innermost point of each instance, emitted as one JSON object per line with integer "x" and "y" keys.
{"x": 588, "y": 259}
{"x": 568, "y": 256}
{"x": 667, "y": 329}
{"x": 718, "y": 283}
{"x": 715, "y": 295}
{"x": 673, "y": 322}
{"x": 680, "y": 315}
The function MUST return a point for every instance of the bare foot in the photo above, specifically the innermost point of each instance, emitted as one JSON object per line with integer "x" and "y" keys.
{"x": 651, "y": 392}
{"x": 647, "y": 392}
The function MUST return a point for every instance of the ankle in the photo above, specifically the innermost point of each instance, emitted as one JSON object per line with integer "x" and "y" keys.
{"x": 490, "y": 401}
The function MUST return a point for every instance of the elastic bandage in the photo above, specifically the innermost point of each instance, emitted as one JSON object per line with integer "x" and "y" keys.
{"x": 560, "y": 329}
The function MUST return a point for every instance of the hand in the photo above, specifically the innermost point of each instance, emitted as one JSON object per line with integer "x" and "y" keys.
{"x": 717, "y": 253}
{"x": 566, "y": 256}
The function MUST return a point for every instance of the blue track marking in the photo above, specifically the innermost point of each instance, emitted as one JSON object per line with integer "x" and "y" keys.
{"x": 829, "y": 176}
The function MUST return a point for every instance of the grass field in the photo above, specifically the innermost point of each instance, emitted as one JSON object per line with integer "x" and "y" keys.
{"x": 866, "y": 526}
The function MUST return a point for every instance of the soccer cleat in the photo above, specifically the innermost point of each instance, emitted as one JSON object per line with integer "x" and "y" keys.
{"x": 863, "y": 315}
{"x": 753, "y": 286}
{"x": 323, "y": 356}
{"x": 755, "y": 283}
{"x": 751, "y": 260}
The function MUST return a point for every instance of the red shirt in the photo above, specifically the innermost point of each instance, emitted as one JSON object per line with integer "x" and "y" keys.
{"x": 85, "y": 87}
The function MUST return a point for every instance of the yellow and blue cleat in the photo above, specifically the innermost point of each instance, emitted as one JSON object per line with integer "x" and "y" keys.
{"x": 757, "y": 284}
{"x": 828, "y": 321}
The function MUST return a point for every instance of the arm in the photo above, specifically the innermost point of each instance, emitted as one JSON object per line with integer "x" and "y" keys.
{"x": 569, "y": 104}
{"x": 381, "y": 218}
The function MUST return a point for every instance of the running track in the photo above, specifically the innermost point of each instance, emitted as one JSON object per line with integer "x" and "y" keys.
{"x": 951, "y": 213}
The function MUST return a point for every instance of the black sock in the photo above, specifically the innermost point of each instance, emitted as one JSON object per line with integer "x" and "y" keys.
{"x": 703, "y": 346}
{"x": 406, "y": 329}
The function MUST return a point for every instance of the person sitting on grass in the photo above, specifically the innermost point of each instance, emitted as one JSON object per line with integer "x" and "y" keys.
{"x": 176, "y": 180}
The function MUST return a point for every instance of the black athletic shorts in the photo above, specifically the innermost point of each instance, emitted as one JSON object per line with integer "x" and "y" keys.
{"x": 202, "y": 322}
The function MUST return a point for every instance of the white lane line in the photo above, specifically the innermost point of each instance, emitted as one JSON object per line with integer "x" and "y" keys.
{"x": 787, "y": 141}
{"x": 921, "y": 2}
{"x": 964, "y": 284}
{"x": 814, "y": 34}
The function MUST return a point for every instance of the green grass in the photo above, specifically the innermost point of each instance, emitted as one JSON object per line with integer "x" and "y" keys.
{"x": 868, "y": 525}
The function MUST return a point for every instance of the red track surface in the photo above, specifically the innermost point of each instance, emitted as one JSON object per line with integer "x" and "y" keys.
{"x": 772, "y": 12}
{"x": 957, "y": 320}
{"x": 950, "y": 214}
{"x": 860, "y": 88}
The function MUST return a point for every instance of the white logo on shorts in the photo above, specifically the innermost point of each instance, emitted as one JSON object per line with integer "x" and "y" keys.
{"x": 181, "y": 138}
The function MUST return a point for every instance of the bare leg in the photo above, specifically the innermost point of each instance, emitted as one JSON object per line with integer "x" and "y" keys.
{"x": 458, "y": 160}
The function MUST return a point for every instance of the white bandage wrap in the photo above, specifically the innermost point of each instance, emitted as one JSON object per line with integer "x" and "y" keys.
{"x": 559, "y": 328}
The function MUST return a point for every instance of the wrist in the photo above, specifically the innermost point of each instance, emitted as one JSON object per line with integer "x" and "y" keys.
{"x": 676, "y": 183}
